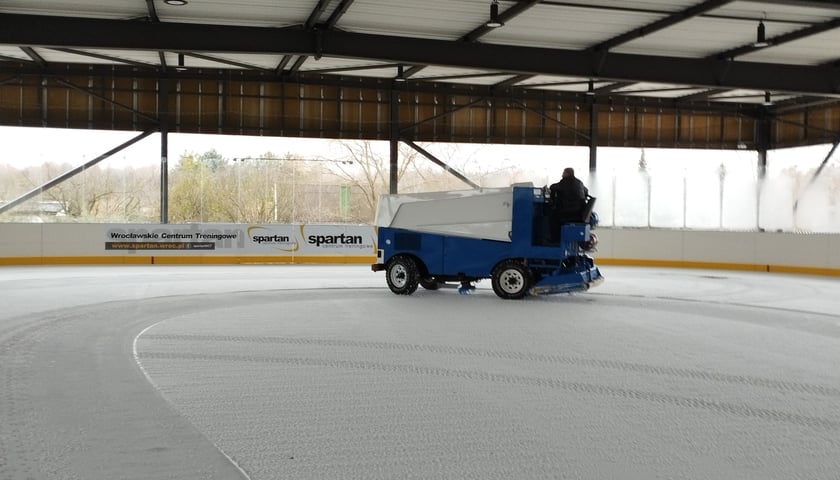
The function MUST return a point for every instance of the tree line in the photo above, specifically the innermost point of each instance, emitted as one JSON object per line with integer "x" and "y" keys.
{"x": 209, "y": 188}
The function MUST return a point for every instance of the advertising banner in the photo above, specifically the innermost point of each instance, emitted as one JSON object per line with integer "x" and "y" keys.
{"x": 237, "y": 239}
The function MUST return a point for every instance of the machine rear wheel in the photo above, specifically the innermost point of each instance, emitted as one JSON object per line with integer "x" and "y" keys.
{"x": 402, "y": 276}
{"x": 511, "y": 280}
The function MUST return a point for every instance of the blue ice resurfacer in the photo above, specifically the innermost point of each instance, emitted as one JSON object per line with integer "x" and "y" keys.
{"x": 457, "y": 238}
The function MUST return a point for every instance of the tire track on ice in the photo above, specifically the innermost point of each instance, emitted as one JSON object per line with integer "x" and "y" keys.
{"x": 693, "y": 374}
{"x": 738, "y": 410}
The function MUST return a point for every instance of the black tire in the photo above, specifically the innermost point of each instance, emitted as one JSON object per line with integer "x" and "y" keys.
{"x": 402, "y": 275}
{"x": 429, "y": 283}
{"x": 511, "y": 280}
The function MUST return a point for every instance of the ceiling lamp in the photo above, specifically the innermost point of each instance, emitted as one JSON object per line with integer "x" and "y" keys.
{"x": 760, "y": 36}
{"x": 175, "y": 3}
{"x": 591, "y": 90}
{"x": 180, "y": 66}
{"x": 767, "y": 102}
{"x": 494, "y": 21}
{"x": 400, "y": 74}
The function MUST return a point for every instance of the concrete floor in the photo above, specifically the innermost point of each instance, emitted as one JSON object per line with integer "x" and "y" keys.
{"x": 265, "y": 372}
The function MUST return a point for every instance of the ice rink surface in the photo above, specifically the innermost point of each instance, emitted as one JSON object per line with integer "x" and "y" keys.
{"x": 320, "y": 372}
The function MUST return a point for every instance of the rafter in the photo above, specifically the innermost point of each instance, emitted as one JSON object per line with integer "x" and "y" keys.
{"x": 225, "y": 61}
{"x": 694, "y": 97}
{"x": 100, "y": 56}
{"x": 779, "y": 40}
{"x": 512, "y": 81}
{"x": 153, "y": 16}
{"x": 660, "y": 24}
{"x": 39, "y": 60}
{"x": 311, "y": 23}
{"x": 504, "y": 17}
{"x": 339, "y": 11}
{"x": 480, "y": 31}
{"x": 36, "y": 30}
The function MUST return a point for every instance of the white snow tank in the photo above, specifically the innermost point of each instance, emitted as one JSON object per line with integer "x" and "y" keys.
{"x": 483, "y": 213}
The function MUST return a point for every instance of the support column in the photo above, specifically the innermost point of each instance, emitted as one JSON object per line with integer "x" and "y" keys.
{"x": 763, "y": 143}
{"x": 593, "y": 137}
{"x": 394, "y": 135}
{"x": 163, "y": 114}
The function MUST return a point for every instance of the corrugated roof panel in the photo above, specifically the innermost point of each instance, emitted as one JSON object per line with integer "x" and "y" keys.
{"x": 640, "y": 5}
{"x": 65, "y": 57}
{"x": 260, "y": 13}
{"x": 551, "y": 79}
{"x": 435, "y": 72}
{"x": 566, "y": 27}
{"x": 800, "y": 12}
{"x": 749, "y": 96}
{"x": 701, "y": 37}
{"x": 122, "y": 9}
{"x": 439, "y": 19}
{"x": 150, "y": 58}
{"x": 268, "y": 62}
{"x": 658, "y": 90}
{"x": 814, "y": 50}
{"x": 333, "y": 63}
{"x": 13, "y": 52}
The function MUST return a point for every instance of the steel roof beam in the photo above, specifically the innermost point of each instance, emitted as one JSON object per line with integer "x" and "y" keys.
{"x": 34, "y": 30}
{"x": 480, "y": 31}
{"x": 512, "y": 81}
{"x": 803, "y": 103}
{"x": 39, "y": 60}
{"x": 660, "y": 24}
{"x": 339, "y": 11}
{"x": 806, "y": 3}
{"x": 150, "y": 6}
{"x": 778, "y": 40}
{"x": 109, "y": 58}
{"x": 316, "y": 13}
{"x": 310, "y": 23}
{"x": 617, "y": 86}
{"x": 153, "y": 16}
{"x": 704, "y": 95}
{"x": 504, "y": 17}
{"x": 26, "y": 70}
{"x": 225, "y": 61}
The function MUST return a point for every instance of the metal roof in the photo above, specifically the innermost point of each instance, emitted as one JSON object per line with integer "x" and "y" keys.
{"x": 683, "y": 50}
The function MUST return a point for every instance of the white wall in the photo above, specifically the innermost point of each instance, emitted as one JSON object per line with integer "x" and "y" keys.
{"x": 758, "y": 250}
{"x": 84, "y": 243}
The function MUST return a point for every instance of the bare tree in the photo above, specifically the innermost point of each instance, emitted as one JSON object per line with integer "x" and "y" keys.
{"x": 368, "y": 172}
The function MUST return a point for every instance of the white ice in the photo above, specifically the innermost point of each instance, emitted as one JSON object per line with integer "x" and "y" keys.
{"x": 320, "y": 372}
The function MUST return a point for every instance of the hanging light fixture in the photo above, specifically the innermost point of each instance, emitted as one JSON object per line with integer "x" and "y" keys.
{"x": 494, "y": 21}
{"x": 180, "y": 66}
{"x": 400, "y": 74}
{"x": 767, "y": 102}
{"x": 761, "y": 36}
{"x": 591, "y": 90}
{"x": 175, "y": 3}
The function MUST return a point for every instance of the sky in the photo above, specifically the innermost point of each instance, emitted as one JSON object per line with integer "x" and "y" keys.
{"x": 618, "y": 183}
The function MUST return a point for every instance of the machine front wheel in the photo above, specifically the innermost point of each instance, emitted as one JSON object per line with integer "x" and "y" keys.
{"x": 402, "y": 276}
{"x": 511, "y": 280}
